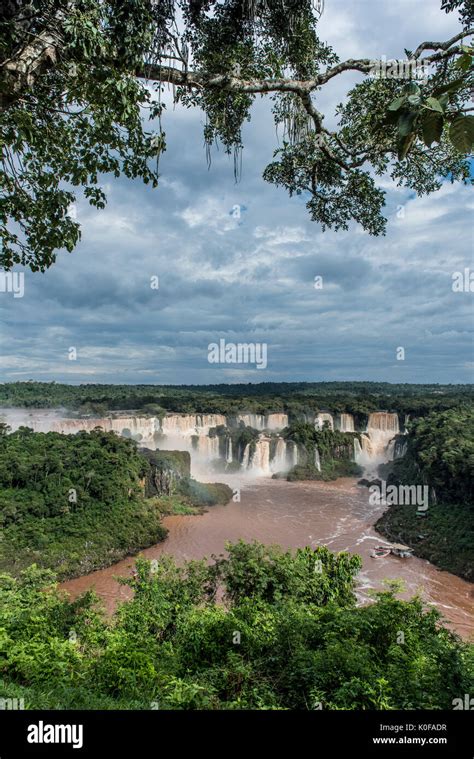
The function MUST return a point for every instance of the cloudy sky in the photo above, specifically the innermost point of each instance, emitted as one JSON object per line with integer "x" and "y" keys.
{"x": 248, "y": 276}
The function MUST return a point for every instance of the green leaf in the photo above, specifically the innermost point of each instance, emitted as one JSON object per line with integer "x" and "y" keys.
{"x": 414, "y": 99}
{"x": 404, "y": 145}
{"x": 406, "y": 122}
{"x": 464, "y": 62}
{"x": 396, "y": 104}
{"x": 411, "y": 89}
{"x": 456, "y": 84}
{"x": 434, "y": 105}
{"x": 432, "y": 126}
{"x": 444, "y": 100}
{"x": 461, "y": 133}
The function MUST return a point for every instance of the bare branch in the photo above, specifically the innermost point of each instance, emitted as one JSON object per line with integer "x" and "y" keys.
{"x": 442, "y": 45}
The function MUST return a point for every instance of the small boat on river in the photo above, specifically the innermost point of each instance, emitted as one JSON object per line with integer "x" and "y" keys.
{"x": 379, "y": 552}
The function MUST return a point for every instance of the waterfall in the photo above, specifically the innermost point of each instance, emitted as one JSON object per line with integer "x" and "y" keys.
{"x": 317, "y": 459}
{"x": 382, "y": 440}
{"x": 345, "y": 423}
{"x": 260, "y": 461}
{"x": 378, "y": 444}
{"x": 293, "y": 453}
{"x": 364, "y": 452}
{"x": 400, "y": 448}
{"x": 256, "y": 421}
{"x": 190, "y": 424}
{"x": 140, "y": 428}
{"x": 207, "y": 448}
{"x": 246, "y": 457}
{"x": 276, "y": 422}
{"x": 321, "y": 418}
{"x": 357, "y": 450}
{"x": 279, "y": 461}
{"x": 382, "y": 428}
{"x": 381, "y": 421}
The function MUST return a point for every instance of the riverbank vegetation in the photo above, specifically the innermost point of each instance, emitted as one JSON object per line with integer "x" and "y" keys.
{"x": 76, "y": 503}
{"x": 439, "y": 454}
{"x": 286, "y": 635}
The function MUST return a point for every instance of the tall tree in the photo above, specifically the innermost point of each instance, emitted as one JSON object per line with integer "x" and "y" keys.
{"x": 78, "y": 80}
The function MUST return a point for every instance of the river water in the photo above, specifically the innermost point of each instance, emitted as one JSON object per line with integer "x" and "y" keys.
{"x": 336, "y": 514}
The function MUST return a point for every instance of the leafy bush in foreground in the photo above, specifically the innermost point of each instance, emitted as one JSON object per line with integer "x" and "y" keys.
{"x": 286, "y": 635}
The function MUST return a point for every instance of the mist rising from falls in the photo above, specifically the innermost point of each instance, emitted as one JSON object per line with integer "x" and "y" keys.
{"x": 260, "y": 459}
{"x": 377, "y": 444}
{"x": 270, "y": 453}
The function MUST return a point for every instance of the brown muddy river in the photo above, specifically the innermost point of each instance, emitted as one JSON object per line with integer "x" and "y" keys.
{"x": 293, "y": 515}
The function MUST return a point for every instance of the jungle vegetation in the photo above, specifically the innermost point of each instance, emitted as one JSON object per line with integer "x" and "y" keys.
{"x": 286, "y": 635}
{"x": 440, "y": 454}
{"x": 75, "y": 503}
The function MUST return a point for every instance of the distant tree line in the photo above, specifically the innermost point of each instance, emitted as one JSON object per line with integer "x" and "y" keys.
{"x": 296, "y": 398}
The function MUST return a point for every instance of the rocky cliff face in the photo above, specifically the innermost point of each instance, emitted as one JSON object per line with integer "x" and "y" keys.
{"x": 167, "y": 468}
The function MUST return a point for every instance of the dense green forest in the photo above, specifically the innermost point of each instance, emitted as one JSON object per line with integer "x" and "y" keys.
{"x": 75, "y": 503}
{"x": 440, "y": 454}
{"x": 335, "y": 449}
{"x": 297, "y": 398}
{"x": 286, "y": 635}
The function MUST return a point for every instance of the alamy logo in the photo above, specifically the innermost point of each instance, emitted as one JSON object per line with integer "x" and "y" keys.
{"x": 12, "y": 282}
{"x": 12, "y": 704}
{"x": 463, "y": 281}
{"x": 399, "y": 495}
{"x": 42, "y": 733}
{"x": 399, "y": 69}
{"x": 463, "y": 703}
{"x": 237, "y": 353}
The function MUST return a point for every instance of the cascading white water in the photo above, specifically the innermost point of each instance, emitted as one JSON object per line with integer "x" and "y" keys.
{"x": 276, "y": 422}
{"x": 279, "y": 461}
{"x": 317, "y": 459}
{"x": 377, "y": 444}
{"x": 260, "y": 460}
{"x": 207, "y": 448}
{"x": 322, "y": 418}
{"x": 400, "y": 448}
{"x": 190, "y": 424}
{"x": 364, "y": 453}
{"x": 382, "y": 428}
{"x": 246, "y": 457}
{"x": 256, "y": 421}
{"x": 382, "y": 421}
{"x": 141, "y": 428}
{"x": 345, "y": 423}
{"x": 190, "y": 432}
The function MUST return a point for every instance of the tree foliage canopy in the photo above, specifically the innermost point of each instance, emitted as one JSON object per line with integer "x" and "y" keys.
{"x": 287, "y": 637}
{"x": 79, "y": 79}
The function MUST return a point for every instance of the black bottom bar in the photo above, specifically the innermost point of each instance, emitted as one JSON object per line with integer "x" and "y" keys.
{"x": 130, "y": 734}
